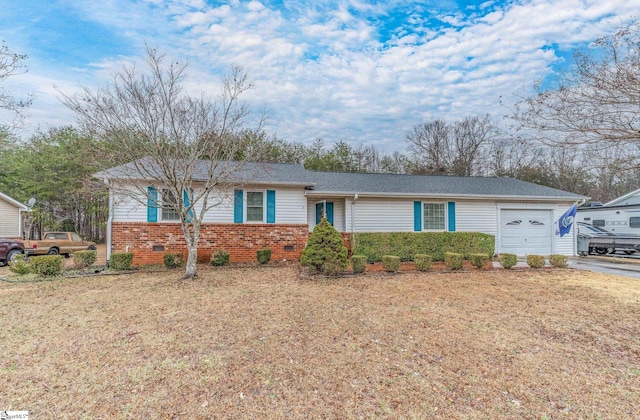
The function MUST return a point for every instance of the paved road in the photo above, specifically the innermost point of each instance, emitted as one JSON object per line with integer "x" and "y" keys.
{"x": 599, "y": 266}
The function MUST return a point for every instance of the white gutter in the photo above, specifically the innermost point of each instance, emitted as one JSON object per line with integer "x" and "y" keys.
{"x": 311, "y": 193}
{"x": 109, "y": 223}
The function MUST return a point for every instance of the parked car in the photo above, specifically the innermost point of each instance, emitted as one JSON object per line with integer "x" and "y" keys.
{"x": 9, "y": 248}
{"x": 54, "y": 243}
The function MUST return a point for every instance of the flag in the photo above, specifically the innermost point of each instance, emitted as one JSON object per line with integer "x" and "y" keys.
{"x": 566, "y": 220}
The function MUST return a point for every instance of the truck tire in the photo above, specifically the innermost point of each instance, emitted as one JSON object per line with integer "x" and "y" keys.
{"x": 11, "y": 254}
{"x": 53, "y": 251}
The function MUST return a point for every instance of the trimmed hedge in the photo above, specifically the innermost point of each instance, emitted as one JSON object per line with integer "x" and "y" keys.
{"x": 423, "y": 262}
{"x": 558, "y": 261}
{"x": 453, "y": 260}
{"x": 219, "y": 258}
{"x": 47, "y": 265}
{"x": 20, "y": 265}
{"x": 535, "y": 261}
{"x": 83, "y": 259}
{"x": 508, "y": 260}
{"x": 391, "y": 263}
{"x": 263, "y": 255}
{"x": 173, "y": 260}
{"x": 407, "y": 245}
{"x": 479, "y": 260}
{"x": 358, "y": 263}
{"x": 121, "y": 261}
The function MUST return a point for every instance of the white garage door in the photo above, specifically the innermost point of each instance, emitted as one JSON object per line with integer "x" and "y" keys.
{"x": 524, "y": 232}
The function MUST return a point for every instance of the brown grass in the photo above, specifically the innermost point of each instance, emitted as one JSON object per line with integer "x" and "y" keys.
{"x": 267, "y": 343}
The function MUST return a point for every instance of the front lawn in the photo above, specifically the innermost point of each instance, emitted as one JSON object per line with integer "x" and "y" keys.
{"x": 267, "y": 343}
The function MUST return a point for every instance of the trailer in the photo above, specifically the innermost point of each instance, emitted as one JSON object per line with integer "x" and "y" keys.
{"x": 595, "y": 240}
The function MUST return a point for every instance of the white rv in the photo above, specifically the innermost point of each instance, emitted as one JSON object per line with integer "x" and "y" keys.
{"x": 620, "y": 216}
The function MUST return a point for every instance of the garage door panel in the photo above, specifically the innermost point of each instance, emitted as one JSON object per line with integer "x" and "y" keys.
{"x": 526, "y": 232}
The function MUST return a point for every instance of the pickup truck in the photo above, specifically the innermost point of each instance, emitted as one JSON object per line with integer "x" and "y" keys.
{"x": 54, "y": 243}
{"x": 9, "y": 248}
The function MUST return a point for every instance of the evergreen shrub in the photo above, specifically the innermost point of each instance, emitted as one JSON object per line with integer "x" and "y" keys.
{"x": 359, "y": 263}
{"x": 173, "y": 260}
{"x": 83, "y": 259}
{"x": 325, "y": 252}
{"x": 508, "y": 260}
{"x": 558, "y": 261}
{"x": 391, "y": 263}
{"x": 423, "y": 262}
{"x": 453, "y": 260}
{"x": 20, "y": 265}
{"x": 478, "y": 260}
{"x": 263, "y": 255}
{"x": 47, "y": 265}
{"x": 535, "y": 261}
{"x": 121, "y": 261}
{"x": 219, "y": 258}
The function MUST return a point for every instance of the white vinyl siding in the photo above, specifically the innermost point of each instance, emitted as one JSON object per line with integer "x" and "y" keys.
{"x": 380, "y": 215}
{"x": 338, "y": 213}
{"x": 474, "y": 216}
{"x": 290, "y": 206}
{"x": 9, "y": 219}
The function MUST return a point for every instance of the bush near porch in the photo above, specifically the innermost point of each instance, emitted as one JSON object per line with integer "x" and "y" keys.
{"x": 408, "y": 244}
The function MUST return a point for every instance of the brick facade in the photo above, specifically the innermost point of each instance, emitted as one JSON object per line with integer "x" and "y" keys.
{"x": 286, "y": 241}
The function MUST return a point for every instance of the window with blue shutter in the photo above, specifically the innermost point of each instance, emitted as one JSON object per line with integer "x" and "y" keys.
{"x": 186, "y": 198}
{"x": 152, "y": 204}
{"x": 238, "y": 207}
{"x": 451, "y": 215}
{"x": 271, "y": 206}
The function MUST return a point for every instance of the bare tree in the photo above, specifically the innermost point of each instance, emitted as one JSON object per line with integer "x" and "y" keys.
{"x": 455, "y": 149}
{"x": 178, "y": 143}
{"x": 11, "y": 64}
{"x": 596, "y": 102}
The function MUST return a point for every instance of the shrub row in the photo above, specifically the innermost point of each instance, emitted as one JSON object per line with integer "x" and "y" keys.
{"x": 218, "y": 258}
{"x": 46, "y": 265}
{"x": 406, "y": 245}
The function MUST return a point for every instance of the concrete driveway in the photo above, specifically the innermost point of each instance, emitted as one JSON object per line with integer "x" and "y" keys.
{"x": 606, "y": 265}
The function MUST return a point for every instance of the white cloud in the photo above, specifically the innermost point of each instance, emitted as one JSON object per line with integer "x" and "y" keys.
{"x": 324, "y": 70}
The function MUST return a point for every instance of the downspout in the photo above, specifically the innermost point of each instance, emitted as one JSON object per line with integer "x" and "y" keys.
{"x": 353, "y": 222}
{"x": 109, "y": 223}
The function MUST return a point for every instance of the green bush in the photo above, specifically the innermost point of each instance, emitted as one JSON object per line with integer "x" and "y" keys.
{"x": 359, "y": 263}
{"x": 423, "y": 262}
{"x": 83, "y": 259}
{"x": 263, "y": 255}
{"x": 173, "y": 260}
{"x": 325, "y": 251}
{"x": 20, "y": 265}
{"x": 479, "y": 260}
{"x": 391, "y": 263}
{"x": 219, "y": 258}
{"x": 47, "y": 265}
{"x": 408, "y": 244}
{"x": 453, "y": 260}
{"x": 558, "y": 261}
{"x": 508, "y": 260}
{"x": 535, "y": 261}
{"x": 121, "y": 261}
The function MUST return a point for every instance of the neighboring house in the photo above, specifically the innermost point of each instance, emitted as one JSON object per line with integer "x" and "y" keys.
{"x": 277, "y": 205}
{"x": 11, "y": 217}
{"x": 620, "y": 216}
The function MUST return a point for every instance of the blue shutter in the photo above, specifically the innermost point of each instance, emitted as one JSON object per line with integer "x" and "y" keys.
{"x": 271, "y": 206}
{"x": 417, "y": 216}
{"x": 319, "y": 207}
{"x": 152, "y": 204}
{"x": 186, "y": 200}
{"x": 237, "y": 206}
{"x": 330, "y": 213}
{"x": 451, "y": 210}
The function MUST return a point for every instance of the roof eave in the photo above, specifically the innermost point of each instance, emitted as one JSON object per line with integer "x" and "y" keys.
{"x": 313, "y": 193}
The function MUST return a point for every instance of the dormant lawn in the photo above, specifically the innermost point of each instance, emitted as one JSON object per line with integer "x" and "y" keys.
{"x": 271, "y": 343}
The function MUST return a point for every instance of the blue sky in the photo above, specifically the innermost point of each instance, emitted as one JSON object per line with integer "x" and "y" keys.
{"x": 360, "y": 71}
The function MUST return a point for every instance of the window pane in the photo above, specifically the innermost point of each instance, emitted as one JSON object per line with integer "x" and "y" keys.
{"x": 599, "y": 223}
{"x": 634, "y": 222}
{"x": 434, "y": 216}
{"x": 255, "y": 210}
{"x": 169, "y": 203}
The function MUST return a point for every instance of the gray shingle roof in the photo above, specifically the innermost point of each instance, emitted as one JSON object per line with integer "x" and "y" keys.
{"x": 343, "y": 183}
{"x": 382, "y": 184}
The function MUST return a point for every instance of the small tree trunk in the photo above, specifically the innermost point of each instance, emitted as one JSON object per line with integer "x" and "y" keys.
{"x": 191, "y": 269}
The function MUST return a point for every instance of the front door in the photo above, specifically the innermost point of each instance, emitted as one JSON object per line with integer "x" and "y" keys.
{"x": 324, "y": 209}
